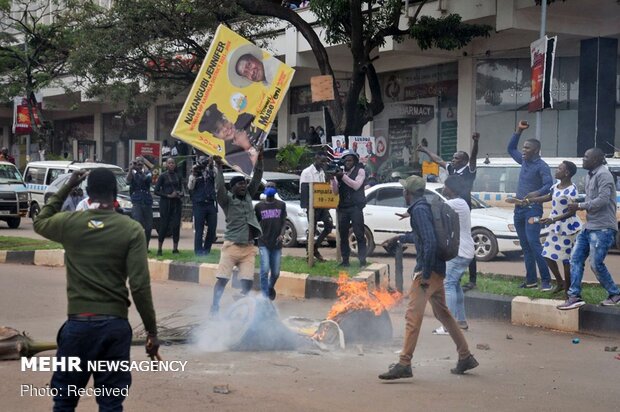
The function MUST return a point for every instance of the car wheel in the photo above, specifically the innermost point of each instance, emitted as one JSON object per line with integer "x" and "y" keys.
{"x": 13, "y": 222}
{"x": 485, "y": 244}
{"x": 34, "y": 210}
{"x": 370, "y": 243}
{"x": 290, "y": 234}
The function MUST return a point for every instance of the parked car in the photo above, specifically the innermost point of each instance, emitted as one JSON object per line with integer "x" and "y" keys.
{"x": 287, "y": 184}
{"x": 122, "y": 197}
{"x": 14, "y": 197}
{"x": 492, "y": 227}
{"x": 39, "y": 175}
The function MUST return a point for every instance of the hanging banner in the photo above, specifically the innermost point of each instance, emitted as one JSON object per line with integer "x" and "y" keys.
{"x": 542, "y": 53}
{"x": 21, "y": 116}
{"x": 234, "y": 100}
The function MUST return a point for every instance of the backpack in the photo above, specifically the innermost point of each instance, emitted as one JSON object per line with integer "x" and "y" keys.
{"x": 447, "y": 229}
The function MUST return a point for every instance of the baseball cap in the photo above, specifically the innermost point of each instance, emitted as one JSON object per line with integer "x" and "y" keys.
{"x": 413, "y": 183}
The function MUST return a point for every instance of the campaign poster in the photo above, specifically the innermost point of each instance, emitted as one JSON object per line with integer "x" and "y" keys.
{"x": 542, "y": 53}
{"x": 234, "y": 100}
{"x": 339, "y": 145}
{"x": 364, "y": 146}
{"x": 21, "y": 116}
{"x": 147, "y": 149}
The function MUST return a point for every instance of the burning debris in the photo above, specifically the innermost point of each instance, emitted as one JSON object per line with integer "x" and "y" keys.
{"x": 360, "y": 314}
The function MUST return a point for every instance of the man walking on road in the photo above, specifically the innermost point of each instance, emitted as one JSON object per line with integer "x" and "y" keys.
{"x": 427, "y": 285}
{"x": 534, "y": 180}
{"x": 103, "y": 250}
{"x": 241, "y": 229}
{"x": 271, "y": 214}
{"x": 599, "y": 233}
{"x": 464, "y": 166}
{"x": 315, "y": 173}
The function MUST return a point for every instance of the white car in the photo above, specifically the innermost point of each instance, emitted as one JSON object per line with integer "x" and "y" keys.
{"x": 296, "y": 228}
{"x": 492, "y": 227}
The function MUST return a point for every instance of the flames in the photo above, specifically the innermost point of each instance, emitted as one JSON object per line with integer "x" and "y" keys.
{"x": 356, "y": 296}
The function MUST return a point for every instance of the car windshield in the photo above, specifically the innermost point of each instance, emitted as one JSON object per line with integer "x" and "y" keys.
{"x": 10, "y": 174}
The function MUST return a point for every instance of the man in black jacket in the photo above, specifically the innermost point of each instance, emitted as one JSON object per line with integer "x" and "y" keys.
{"x": 349, "y": 184}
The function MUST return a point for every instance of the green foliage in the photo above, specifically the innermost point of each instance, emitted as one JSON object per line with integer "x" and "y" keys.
{"x": 446, "y": 33}
{"x": 35, "y": 40}
{"x": 293, "y": 158}
{"x": 139, "y": 50}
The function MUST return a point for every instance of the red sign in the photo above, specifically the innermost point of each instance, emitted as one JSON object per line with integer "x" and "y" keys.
{"x": 21, "y": 121}
{"x": 148, "y": 149}
{"x": 542, "y": 56}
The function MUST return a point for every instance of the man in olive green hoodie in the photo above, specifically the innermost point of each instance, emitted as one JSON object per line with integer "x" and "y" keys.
{"x": 103, "y": 249}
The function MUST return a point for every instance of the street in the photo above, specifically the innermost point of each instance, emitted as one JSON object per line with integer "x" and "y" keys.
{"x": 512, "y": 265}
{"x": 535, "y": 370}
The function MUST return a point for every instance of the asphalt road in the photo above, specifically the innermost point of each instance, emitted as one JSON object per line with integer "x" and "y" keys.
{"x": 535, "y": 370}
{"x": 501, "y": 265}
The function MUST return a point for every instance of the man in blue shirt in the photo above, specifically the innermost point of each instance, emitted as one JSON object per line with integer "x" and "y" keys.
{"x": 427, "y": 285}
{"x": 534, "y": 180}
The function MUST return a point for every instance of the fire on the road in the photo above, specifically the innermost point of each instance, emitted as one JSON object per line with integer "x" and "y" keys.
{"x": 354, "y": 296}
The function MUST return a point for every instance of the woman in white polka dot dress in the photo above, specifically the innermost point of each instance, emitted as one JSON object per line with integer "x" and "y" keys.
{"x": 563, "y": 225}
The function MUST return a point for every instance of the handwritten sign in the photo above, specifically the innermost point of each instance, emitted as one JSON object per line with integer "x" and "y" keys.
{"x": 323, "y": 198}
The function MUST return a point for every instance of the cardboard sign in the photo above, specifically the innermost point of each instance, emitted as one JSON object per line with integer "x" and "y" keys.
{"x": 430, "y": 168}
{"x": 323, "y": 198}
{"x": 322, "y": 88}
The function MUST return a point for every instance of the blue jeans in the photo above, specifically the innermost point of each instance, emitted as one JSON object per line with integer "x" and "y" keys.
{"x": 594, "y": 243}
{"x": 205, "y": 213}
{"x": 269, "y": 260}
{"x": 529, "y": 239}
{"x": 455, "y": 300}
{"x": 91, "y": 341}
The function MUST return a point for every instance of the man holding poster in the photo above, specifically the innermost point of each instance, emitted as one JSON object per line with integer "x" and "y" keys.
{"x": 234, "y": 100}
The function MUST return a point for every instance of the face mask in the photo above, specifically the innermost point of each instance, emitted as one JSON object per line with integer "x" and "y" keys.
{"x": 270, "y": 191}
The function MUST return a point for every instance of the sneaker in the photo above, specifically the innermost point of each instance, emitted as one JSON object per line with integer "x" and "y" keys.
{"x": 363, "y": 263}
{"x": 318, "y": 256}
{"x": 611, "y": 301}
{"x": 526, "y": 285}
{"x": 344, "y": 264}
{"x": 175, "y": 251}
{"x": 546, "y": 287}
{"x": 397, "y": 371}
{"x": 159, "y": 253}
{"x": 462, "y": 324}
{"x": 464, "y": 365}
{"x": 272, "y": 294}
{"x": 573, "y": 302}
{"x": 468, "y": 286}
{"x": 558, "y": 288}
{"x": 440, "y": 331}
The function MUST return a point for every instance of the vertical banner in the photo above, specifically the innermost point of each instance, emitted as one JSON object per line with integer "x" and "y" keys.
{"x": 234, "y": 100}
{"x": 542, "y": 53}
{"x": 21, "y": 116}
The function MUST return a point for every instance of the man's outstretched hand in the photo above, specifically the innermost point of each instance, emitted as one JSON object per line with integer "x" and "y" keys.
{"x": 77, "y": 177}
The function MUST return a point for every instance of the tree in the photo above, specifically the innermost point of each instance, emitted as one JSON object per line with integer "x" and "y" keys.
{"x": 364, "y": 26}
{"x": 138, "y": 50}
{"x": 35, "y": 40}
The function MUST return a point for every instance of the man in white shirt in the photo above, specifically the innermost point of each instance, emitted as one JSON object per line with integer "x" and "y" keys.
{"x": 456, "y": 267}
{"x": 315, "y": 173}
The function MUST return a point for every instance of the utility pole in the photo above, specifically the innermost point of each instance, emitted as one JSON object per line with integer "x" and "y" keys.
{"x": 543, "y": 30}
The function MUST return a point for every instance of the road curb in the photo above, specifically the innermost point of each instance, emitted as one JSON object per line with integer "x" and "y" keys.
{"x": 518, "y": 309}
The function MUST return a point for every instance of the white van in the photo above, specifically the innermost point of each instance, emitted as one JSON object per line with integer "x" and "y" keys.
{"x": 497, "y": 179}
{"x": 39, "y": 175}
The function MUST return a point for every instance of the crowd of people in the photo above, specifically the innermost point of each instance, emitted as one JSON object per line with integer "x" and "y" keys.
{"x": 100, "y": 267}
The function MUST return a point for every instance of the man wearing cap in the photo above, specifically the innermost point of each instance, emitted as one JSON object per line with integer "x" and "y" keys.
{"x": 427, "y": 284}
{"x": 241, "y": 229}
{"x": 349, "y": 184}
{"x": 247, "y": 66}
{"x": 239, "y": 138}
